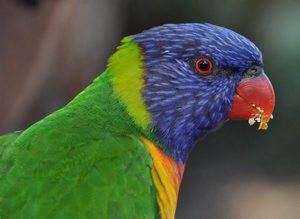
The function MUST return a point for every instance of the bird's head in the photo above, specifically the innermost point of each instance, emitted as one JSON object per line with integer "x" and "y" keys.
{"x": 196, "y": 76}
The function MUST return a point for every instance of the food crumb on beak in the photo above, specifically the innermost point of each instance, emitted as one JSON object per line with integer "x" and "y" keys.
{"x": 251, "y": 121}
{"x": 261, "y": 119}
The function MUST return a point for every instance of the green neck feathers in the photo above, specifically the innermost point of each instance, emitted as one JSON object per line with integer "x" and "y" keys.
{"x": 115, "y": 96}
{"x": 127, "y": 79}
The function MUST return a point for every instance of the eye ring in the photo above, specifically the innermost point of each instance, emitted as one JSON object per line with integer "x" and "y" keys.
{"x": 204, "y": 66}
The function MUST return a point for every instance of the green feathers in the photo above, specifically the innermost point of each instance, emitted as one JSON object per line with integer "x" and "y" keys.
{"x": 85, "y": 160}
{"x": 127, "y": 78}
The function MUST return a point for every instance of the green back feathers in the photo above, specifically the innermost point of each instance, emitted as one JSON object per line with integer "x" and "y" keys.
{"x": 127, "y": 78}
{"x": 95, "y": 178}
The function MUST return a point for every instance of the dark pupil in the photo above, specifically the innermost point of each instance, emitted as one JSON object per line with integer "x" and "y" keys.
{"x": 203, "y": 65}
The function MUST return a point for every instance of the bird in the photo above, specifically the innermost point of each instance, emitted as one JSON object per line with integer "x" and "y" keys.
{"x": 120, "y": 147}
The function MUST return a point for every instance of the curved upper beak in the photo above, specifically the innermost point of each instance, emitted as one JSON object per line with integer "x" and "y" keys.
{"x": 254, "y": 100}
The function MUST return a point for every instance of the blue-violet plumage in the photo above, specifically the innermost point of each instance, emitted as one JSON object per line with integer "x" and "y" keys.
{"x": 185, "y": 105}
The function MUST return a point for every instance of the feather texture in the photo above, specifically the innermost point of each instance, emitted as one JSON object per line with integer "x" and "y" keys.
{"x": 118, "y": 150}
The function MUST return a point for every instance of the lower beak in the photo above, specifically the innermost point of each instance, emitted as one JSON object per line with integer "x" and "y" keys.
{"x": 254, "y": 100}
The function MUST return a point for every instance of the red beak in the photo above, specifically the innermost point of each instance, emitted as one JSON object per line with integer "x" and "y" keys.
{"x": 254, "y": 101}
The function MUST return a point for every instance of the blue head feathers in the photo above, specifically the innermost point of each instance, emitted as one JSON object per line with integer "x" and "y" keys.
{"x": 184, "y": 104}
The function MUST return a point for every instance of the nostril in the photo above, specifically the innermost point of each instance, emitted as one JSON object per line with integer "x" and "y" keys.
{"x": 254, "y": 70}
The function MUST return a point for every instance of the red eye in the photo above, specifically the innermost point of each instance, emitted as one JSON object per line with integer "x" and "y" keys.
{"x": 204, "y": 66}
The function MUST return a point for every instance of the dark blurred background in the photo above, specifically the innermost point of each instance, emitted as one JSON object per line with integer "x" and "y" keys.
{"x": 52, "y": 49}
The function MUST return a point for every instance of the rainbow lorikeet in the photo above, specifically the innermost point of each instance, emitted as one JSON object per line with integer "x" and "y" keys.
{"x": 119, "y": 149}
